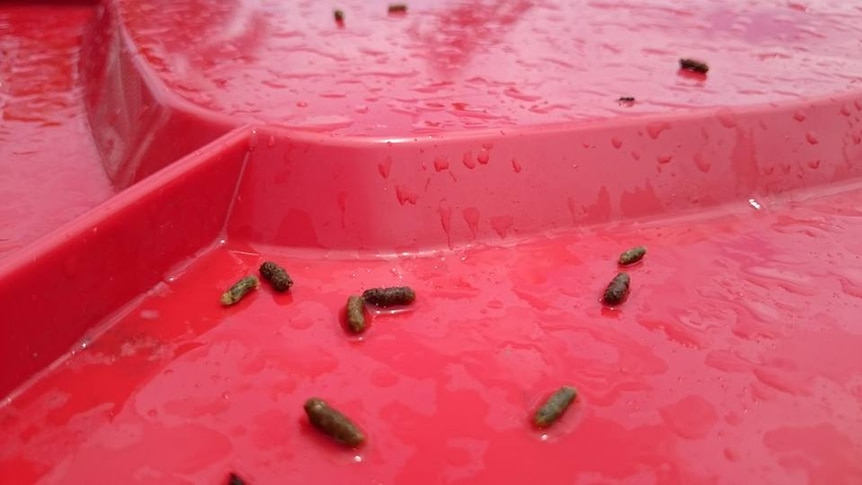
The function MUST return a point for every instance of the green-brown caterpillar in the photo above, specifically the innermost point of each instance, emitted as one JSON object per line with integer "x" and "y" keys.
{"x": 241, "y": 288}
{"x": 632, "y": 256}
{"x": 355, "y": 314}
{"x": 617, "y": 290}
{"x": 555, "y": 406}
{"x": 276, "y": 275}
{"x": 693, "y": 65}
{"x": 386, "y": 297}
{"x": 332, "y": 422}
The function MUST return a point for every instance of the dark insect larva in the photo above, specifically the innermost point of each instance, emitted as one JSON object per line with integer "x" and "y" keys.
{"x": 339, "y": 15}
{"x": 632, "y": 255}
{"x": 239, "y": 290}
{"x": 617, "y": 290}
{"x": 276, "y": 275}
{"x": 355, "y": 314}
{"x": 693, "y": 66}
{"x": 554, "y": 407}
{"x": 397, "y": 8}
{"x": 235, "y": 480}
{"x": 331, "y": 422}
{"x": 626, "y": 99}
{"x": 384, "y": 297}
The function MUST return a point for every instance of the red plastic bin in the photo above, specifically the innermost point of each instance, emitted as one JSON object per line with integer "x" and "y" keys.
{"x": 153, "y": 153}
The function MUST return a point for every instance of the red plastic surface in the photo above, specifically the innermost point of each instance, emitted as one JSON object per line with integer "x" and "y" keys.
{"x": 453, "y": 65}
{"x": 735, "y": 359}
{"x": 49, "y": 167}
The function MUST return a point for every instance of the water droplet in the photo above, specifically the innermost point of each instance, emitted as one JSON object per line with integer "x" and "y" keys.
{"x": 385, "y": 167}
{"x": 516, "y": 166}
{"x": 441, "y": 164}
{"x": 814, "y": 164}
{"x": 702, "y": 164}
{"x": 225, "y": 396}
{"x": 471, "y": 217}
{"x": 357, "y": 459}
{"x": 811, "y": 138}
{"x": 405, "y": 195}
{"x": 655, "y": 129}
{"x": 446, "y": 219}
{"x": 468, "y": 161}
{"x": 666, "y": 158}
{"x": 252, "y": 140}
{"x": 502, "y": 225}
{"x": 726, "y": 118}
{"x": 635, "y": 155}
{"x": 784, "y": 380}
{"x": 301, "y": 104}
{"x": 755, "y": 204}
{"x": 616, "y": 142}
{"x": 691, "y": 417}
{"x": 270, "y": 142}
{"x": 799, "y": 115}
{"x": 483, "y": 157}
{"x": 361, "y": 109}
{"x": 301, "y": 323}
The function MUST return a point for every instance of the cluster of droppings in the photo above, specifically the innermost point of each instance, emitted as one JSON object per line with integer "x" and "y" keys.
{"x": 529, "y": 304}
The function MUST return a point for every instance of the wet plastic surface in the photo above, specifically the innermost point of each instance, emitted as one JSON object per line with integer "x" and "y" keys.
{"x": 50, "y": 171}
{"x": 447, "y": 66}
{"x": 735, "y": 359}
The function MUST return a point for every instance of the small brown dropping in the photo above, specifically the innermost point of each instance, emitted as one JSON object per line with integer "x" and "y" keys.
{"x": 693, "y": 65}
{"x": 331, "y": 422}
{"x": 386, "y": 297}
{"x": 397, "y": 8}
{"x": 632, "y": 255}
{"x": 555, "y": 406}
{"x": 617, "y": 290}
{"x": 339, "y": 16}
{"x": 241, "y": 288}
{"x": 276, "y": 275}
{"x": 235, "y": 480}
{"x": 355, "y": 314}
